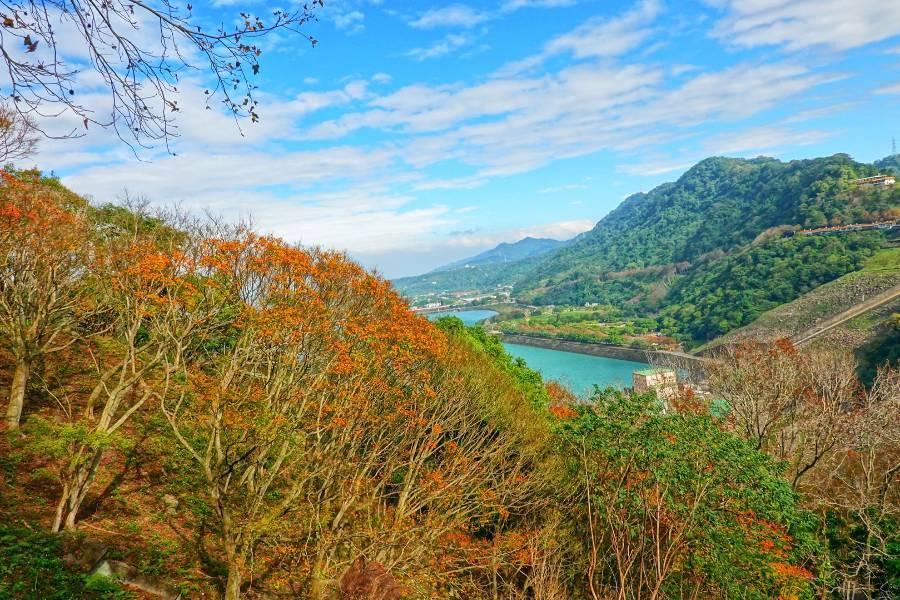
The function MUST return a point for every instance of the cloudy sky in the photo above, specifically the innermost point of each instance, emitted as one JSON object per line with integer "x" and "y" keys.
{"x": 417, "y": 133}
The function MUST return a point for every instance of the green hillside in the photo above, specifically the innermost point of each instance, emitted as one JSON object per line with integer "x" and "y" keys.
{"x": 873, "y": 336}
{"x": 717, "y": 206}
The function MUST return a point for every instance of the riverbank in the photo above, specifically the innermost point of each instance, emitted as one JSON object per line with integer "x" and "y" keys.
{"x": 676, "y": 359}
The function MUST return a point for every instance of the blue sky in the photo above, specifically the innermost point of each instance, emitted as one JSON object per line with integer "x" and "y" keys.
{"x": 419, "y": 133}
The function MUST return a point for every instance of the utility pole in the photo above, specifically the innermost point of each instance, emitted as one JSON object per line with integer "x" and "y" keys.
{"x": 893, "y": 146}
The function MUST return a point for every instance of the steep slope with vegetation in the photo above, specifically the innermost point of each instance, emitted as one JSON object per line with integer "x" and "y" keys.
{"x": 879, "y": 273}
{"x": 734, "y": 290}
{"x": 214, "y": 413}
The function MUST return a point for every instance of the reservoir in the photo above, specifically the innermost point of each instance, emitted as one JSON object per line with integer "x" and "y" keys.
{"x": 578, "y": 372}
{"x": 469, "y": 317}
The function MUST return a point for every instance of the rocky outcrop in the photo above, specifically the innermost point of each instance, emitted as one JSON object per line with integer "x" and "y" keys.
{"x": 91, "y": 556}
{"x": 131, "y": 577}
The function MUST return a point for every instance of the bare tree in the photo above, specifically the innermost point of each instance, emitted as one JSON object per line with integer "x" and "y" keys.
{"x": 18, "y": 134}
{"x": 863, "y": 482}
{"x": 795, "y": 405}
{"x": 138, "y": 51}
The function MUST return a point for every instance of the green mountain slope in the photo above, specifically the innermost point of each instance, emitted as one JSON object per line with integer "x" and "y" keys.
{"x": 708, "y": 253}
{"x": 718, "y": 205}
{"x": 888, "y": 164}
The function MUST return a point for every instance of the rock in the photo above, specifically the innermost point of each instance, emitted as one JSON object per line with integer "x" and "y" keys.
{"x": 171, "y": 503}
{"x": 85, "y": 555}
{"x": 129, "y": 575}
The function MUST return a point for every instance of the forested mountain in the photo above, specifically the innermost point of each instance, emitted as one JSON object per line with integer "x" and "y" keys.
{"x": 889, "y": 164}
{"x": 708, "y": 252}
{"x": 506, "y": 253}
{"x": 716, "y": 206}
{"x": 502, "y": 265}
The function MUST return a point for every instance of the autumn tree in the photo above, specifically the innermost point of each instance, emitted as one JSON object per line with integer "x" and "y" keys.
{"x": 44, "y": 252}
{"x": 138, "y": 52}
{"x": 668, "y": 505}
{"x": 18, "y": 135}
{"x": 859, "y": 488}
{"x": 327, "y": 427}
{"x": 156, "y": 314}
{"x": 793, "y": 404}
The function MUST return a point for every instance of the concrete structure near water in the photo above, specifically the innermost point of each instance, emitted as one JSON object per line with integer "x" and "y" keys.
{"x": 662, "y": 381}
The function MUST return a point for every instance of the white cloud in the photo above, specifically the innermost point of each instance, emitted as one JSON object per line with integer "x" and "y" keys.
{"x": 596, "y": 38}
{"x": 449, "y": 43}
{"x": 889, "y": 89}
{"x": 654, "y": 168}
{"x": 512, "y": 5}
{"x": 352, "y": 21}
{"x": 562, "y": 188}
{"x": 797, "y": 24}
{"x": 762, "y": 138}
{"x": 454, "y": 15}
{"x": 381, "y": 78}
{"x": 507, "y": 126}
{"x": 766, "y": 139}
{"x": 205, "y": 174}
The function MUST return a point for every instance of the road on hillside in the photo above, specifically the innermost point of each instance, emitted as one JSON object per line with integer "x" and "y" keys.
{"x": 852, "y": 312}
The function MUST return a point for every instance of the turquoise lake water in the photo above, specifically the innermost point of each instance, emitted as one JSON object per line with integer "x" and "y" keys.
{"x": 578, "y": 372}
{"x": 469, "y": 317}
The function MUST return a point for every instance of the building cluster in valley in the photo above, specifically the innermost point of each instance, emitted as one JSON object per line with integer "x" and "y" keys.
{"x": 502, "y": 294}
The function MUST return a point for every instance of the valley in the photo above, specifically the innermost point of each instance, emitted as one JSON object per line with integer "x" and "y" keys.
{"x": 702, "y": 261}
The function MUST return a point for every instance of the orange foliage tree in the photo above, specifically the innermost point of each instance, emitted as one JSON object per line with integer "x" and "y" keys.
{"x": 331, "y": 423}
{"x": 155, "y": 312}
{"x": 44, "y": 249}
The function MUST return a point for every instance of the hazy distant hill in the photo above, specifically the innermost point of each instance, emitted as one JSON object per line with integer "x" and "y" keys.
{"x": 507, "y": 252}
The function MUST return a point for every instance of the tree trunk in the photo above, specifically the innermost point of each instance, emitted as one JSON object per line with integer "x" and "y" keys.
{"x": 17, "y": 393}
{"x": 233, "y": 585}
{"x": 74, "y": 492}
{"x": 60, "y": 510}
{"x": 317, "y": 577}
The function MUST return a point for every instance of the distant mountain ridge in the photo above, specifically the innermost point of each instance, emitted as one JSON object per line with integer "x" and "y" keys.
{"x": 507, "y": 252}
